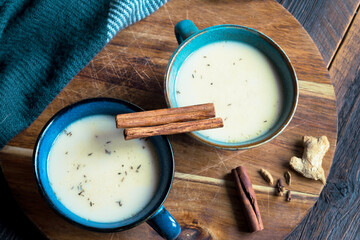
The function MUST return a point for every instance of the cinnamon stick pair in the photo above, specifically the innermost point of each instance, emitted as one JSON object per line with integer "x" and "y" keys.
{"x": 168, "y": 121}
{"x": 247, "y": 198}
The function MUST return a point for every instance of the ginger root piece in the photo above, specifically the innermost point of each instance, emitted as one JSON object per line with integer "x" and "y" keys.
{"x": 310, "y": 163}
{"x": 287, "y": 176}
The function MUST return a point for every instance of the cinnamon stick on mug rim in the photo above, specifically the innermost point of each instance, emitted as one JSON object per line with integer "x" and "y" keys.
{"x": 248, "y": 199}
{"x": 172, "y": 128}
{"x": 165, "y": 116}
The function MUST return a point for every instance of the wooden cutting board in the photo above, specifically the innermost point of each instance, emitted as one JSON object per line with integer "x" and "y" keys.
{"x": 203, "y": 197}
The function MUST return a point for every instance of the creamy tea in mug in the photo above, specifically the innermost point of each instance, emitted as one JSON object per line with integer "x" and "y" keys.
{"x": 242, "y": 83}
{"x": 98, "y": 175}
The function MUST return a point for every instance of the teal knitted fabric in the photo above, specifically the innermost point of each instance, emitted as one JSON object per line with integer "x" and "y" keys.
{"x": 45, "y": 43}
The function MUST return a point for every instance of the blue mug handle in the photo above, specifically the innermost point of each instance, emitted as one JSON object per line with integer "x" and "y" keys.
{"x": 184, "y": 29}
{"x": 165, "y": 224}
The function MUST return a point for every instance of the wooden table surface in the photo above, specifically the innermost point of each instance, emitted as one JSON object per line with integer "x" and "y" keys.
{"x": 334, "y": 27}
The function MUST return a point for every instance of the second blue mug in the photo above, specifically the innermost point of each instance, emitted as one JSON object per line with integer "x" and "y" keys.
{"x": 154, "y": 213}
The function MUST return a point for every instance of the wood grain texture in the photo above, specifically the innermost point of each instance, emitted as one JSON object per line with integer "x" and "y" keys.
{"x": 132, "y": 66}
{"x": 339, "y": 204}
{"x": 326, "y": 21}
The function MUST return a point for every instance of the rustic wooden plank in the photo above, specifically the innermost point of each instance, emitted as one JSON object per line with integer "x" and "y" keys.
{"x": 326, "y": 21}
{"x": 131, "y": 67}
{"x": 339, "y": 204}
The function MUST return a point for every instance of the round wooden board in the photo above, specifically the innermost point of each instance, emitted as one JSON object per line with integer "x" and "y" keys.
{"x": 203, "y": 197}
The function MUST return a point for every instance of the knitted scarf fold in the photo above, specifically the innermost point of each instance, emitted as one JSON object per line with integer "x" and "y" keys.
{"x": 45, "y": 43}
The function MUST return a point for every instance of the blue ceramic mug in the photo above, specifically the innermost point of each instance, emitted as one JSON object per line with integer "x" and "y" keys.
{"x": 190, "y": 39}
{"x": 154, "y": 213}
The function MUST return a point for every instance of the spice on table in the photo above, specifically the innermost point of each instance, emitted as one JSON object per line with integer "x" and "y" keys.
{"x": 172, "y": 128}
{"x": 165, "y": 116}
{"x": 279, "y": 188}
{"x": 288, "y": 196}
{"x": 168, "y": 121}
{"x": 248, "y": 199}
{"x": 287, "y": 176}
{"x": 267, "y": 176}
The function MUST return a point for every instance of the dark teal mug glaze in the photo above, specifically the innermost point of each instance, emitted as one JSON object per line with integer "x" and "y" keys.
{"x": 190, "y": 39}
{"x": 154, "y": 213}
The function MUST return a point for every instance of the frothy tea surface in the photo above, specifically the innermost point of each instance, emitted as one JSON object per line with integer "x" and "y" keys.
{"x": 241, "y": 82}
{"x": 98, "y": 175}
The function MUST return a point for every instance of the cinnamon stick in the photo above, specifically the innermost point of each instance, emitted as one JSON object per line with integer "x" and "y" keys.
{"x": 172, "y": 128}
{"x": 248, "y": 199}
{"x": 164, "y": 116}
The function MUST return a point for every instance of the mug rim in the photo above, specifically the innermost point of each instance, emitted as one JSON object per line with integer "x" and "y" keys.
{"x": 44, "y": 194}
{"x": 275, "y": 46}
